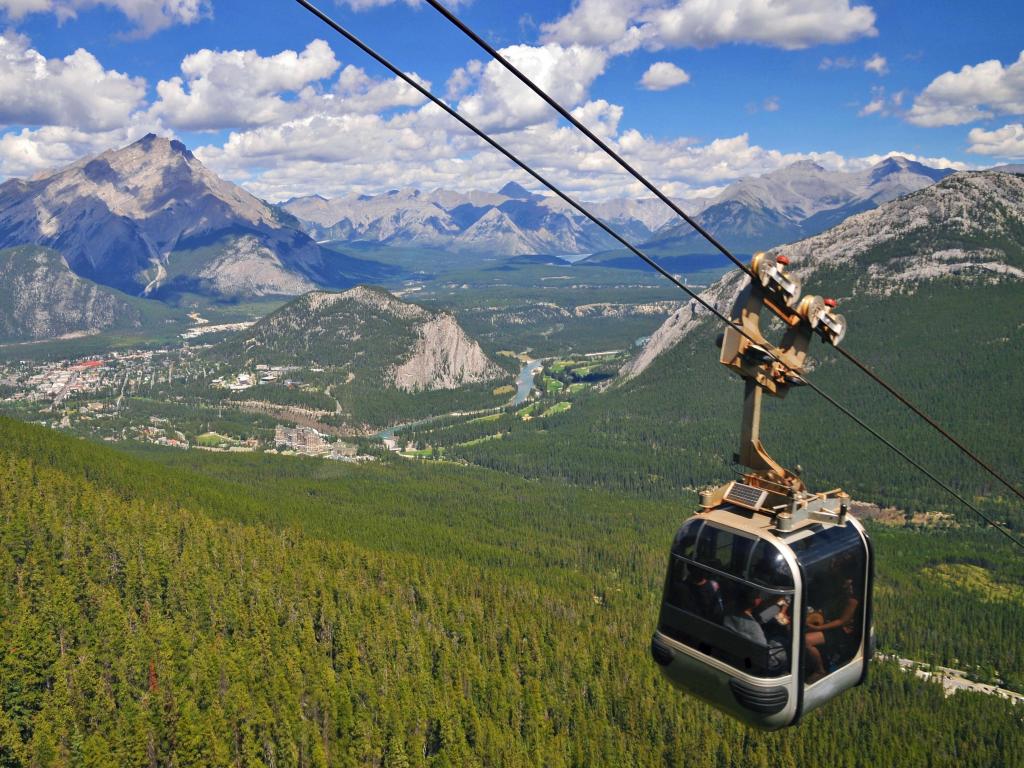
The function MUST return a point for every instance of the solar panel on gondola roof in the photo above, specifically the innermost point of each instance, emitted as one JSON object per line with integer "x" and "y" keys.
{"x": 745, "y": 495}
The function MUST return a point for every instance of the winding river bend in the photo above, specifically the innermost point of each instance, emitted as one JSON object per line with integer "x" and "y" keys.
{"x": 524, "y": 381}
{"x": 524, "y": 385}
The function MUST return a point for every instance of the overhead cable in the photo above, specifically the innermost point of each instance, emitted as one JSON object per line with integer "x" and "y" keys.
{"x": 429, "y": 95}
{"x": 553, "y": 103}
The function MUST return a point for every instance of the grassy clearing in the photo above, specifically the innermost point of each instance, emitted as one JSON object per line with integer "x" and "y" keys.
{"x": 978, "y": 581}
{"x": 561, "y": 407}
{"x": 553, "y": 385}
{"x": 214, "y": 439}
{"x": 527, "y": 412}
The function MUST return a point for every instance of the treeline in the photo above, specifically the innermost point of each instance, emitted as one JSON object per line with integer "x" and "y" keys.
{"x": 134, "y": 631}
{"x": 958, "y": 354}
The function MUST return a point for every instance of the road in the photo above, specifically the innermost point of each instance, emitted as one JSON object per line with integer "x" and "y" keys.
{"x": 954, "y": 680}
{"x": 65, "y": 391}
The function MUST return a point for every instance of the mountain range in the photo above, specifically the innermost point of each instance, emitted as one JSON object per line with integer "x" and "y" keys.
{"x": 751, "y": 214}
{"x": 784, "y": 206}
{"x": 968, "y": 227}
{"x": 151, "y": 220}
{"x": 510, "y": 222}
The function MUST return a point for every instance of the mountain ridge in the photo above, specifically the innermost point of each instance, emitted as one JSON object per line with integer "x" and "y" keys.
{"x": 790, "y": 204}
{"x": 369, "y": 334}
{"x": 793, "y": 202}
{"x": 150, "y": 219}
{"x": 969, "y": 226}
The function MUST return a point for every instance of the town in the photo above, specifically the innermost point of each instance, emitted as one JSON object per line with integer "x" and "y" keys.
{"x": 167, "y": 397}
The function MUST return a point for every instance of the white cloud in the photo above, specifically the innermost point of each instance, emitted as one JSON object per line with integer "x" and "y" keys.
{"x": 73, "y": 91}
{"x": 1007, "y": 141}
{"x": 882, "y": 104}
{"x": 624, "y": 25}
{"x": 501, "y": 102}
{"x": 600, "y": 116}
{"x": 771, "y": 104}
{"x": 33, "y": 150}
{"x": 663, "y": 75}
{"x": 341, "y": 154}
{"x": 974, "y": 93}
{"x": 873, "y": 107}
{"x": 462, "y": 79}
{"x": 840, "y": 62}
{"x": 240, "y": 89}
{"x": 877, "y": 64}
{"x": 147, "y": 15}
{"x": 358, "y": 93}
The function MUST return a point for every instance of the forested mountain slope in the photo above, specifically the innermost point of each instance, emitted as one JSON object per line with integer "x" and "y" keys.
{"x": 931, "y": 287}
{"x": 371, "y": 334}
{"x": 379, "y": 358}
{"x": 147, "y": 617}
{"x": 41, "y": 298}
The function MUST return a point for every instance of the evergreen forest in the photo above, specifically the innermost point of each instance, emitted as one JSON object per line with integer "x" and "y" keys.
{"x": 163, "y": 608}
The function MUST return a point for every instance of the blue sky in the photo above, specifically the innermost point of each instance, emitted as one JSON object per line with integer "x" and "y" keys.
{"x": 696, "y": 92}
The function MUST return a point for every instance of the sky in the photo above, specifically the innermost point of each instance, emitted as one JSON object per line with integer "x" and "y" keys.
{"x": 696, "y": 93}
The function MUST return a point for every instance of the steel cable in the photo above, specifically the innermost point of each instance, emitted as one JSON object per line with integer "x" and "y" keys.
{"x": 497, "y": 56}
{"x": 429, "y": 95}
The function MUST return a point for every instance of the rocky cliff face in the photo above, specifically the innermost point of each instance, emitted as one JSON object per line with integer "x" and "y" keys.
{"x": 40, "y": 298}
{"x": 150, "y": 217}
{"x": 969, "y": 226}
{"x": 444, "y": 357}
{"x": 370, "y": 334}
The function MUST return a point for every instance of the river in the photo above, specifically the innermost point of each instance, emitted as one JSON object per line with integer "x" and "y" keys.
{"x": 524, "y": 385}
{"x": 524, "y": 381}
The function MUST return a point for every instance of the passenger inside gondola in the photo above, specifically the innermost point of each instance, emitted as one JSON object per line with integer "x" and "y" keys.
{"x": 729, "y": 596}
{"x": 830, "y": 643}
{"x": 704, "y": 595}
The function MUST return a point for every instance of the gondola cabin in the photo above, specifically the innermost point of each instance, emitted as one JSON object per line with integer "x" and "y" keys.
{"x": 766, "y": 611}
{"x": 763, "y": 623}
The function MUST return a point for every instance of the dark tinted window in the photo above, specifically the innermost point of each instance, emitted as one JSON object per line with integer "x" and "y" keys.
{"x": 769, "y": 568}
{"x": 686, "y": 538}
{"x": 834, "y": 564}
{"x": 712, "y": 606}
{"x": 724, "y": 550}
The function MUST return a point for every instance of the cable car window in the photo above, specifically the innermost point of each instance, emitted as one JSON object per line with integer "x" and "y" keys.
{"x": 834, "y": 573}
{"x": 724, "y": 550}
{"x": 769, "y": 568}
{"x": 686, "y": 538}
{"x": 744, "y": 624}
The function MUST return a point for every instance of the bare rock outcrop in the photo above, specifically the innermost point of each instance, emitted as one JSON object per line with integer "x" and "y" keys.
{"x": 444, "y": 357}
{"x": 890, "y": 249}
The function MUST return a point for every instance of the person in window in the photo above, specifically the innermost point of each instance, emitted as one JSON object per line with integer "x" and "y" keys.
{"x": 835, "y": 636}
{"x": 742, "y": 621}
{"x": 704, "y": 595}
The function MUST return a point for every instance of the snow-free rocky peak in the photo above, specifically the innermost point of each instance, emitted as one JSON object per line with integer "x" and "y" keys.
{"x": 970, "y": 227}
{"x": 797, "y": 201}
{"x": 122, "y": 218}
{"x": 510, "y": 222}
{"x": 371, "y": 334}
